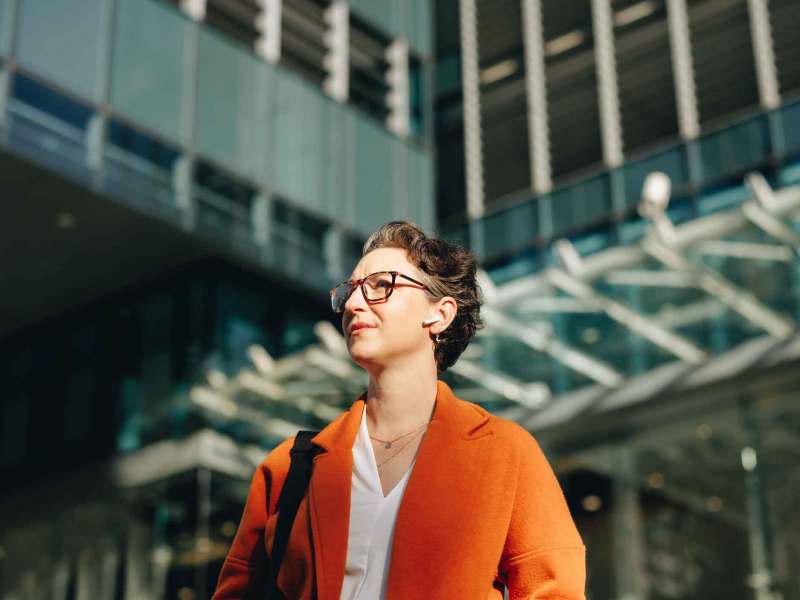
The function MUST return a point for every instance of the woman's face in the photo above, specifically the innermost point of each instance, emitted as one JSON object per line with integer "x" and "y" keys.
{"x": 390, "y": 331}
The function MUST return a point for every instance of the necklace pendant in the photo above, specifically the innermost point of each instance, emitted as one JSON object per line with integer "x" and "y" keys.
{"x": 387, "y": 445}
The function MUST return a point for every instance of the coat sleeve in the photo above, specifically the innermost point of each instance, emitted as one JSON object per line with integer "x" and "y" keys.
{"x": 243, "y": 574}
{"x": 544, "y": 556}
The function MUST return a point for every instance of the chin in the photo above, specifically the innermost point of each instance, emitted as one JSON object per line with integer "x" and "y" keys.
{"x": 364, "y": 358}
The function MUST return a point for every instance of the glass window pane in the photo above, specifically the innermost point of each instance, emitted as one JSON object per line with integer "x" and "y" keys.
{"x": 297, "y": 152}
{"x": 61, "y": 42}
{"x": 5, "y": 7}
{"x": 338, "y": 198}
{"x": 421, "y": 190}
{"x": 419, "y": 25}
{"x": 374, "y": 181}
{"x": 722, "y": 54}
{"x": 380, "y": 13}
{"x": 230, "y": 124}
{"x": 148, "y": 70}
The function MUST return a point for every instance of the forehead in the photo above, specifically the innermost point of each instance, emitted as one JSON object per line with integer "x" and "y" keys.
{"x": 384, "y": 259}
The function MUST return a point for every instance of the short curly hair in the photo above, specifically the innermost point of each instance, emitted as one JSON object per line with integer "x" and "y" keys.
{"x": 448, "y": 270}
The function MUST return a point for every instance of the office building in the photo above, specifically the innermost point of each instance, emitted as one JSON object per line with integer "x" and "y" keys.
{"x": 629, "y": 174}
{"x": 182, "y": 183}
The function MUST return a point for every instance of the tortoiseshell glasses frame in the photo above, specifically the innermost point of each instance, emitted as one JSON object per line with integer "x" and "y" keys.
{"x": 376, "y": 287}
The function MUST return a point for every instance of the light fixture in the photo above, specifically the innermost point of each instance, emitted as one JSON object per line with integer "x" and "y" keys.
{"x": 634, "y": 13}
{"x": 65, "y": 220}
{"x": 590, "y": 335}
{"x": 704, "y": 431}
{"x": 592, "y": 503}
{"x": 749, "y": 458}
{"x": 499, "y": 71}
{"x": 565, "y": 42}
{"x": 228, "y": 528}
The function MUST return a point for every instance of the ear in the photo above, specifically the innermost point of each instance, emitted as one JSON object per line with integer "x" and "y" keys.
{"x": 446, "y": 309}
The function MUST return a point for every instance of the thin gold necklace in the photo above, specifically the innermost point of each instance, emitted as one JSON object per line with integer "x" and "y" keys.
{"x": 380, "y": 466}
{"x": 388, "y": 443}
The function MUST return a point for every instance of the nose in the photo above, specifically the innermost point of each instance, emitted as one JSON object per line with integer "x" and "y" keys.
{"x": 356, "y": 301}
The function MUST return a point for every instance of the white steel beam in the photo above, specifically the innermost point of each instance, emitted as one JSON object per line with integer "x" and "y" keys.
{"x": 471, "y": 94}
{"x": 530, "y": 395}
{"x": 536, "y": 94}
{"x": 764, "y": 54}
{"x": 626, "y": 316}
{"x": 607, "y": 87}
{"x": 683, "y": 69}
{"x": 712, "y": 282}
{"x": 576, "y": 360}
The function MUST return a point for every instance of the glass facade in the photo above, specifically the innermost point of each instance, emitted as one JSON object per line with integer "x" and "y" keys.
{"x": 120, "y": 371}
{"x": 690, "y": 502}
{"x": 163, "y": 96}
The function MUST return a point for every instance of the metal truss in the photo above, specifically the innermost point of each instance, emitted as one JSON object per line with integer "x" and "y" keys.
{"x": 319, "y": 379}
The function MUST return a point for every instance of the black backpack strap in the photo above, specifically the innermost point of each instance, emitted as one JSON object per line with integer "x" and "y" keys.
{"x": 294, "y": 488}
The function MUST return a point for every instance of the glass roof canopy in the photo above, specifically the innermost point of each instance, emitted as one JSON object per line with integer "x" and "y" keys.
{"x": 685, "y": 304}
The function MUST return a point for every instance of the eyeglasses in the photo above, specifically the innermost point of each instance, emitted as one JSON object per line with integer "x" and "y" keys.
{"x": 375, "y": 287}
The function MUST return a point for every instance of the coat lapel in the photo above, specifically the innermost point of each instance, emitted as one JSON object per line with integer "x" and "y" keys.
{"x": 329, "y": 496}
{"x": 448, "y": 461}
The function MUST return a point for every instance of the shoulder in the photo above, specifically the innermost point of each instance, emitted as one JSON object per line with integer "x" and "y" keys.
{"x": 510, "y": 436}
{"x": 515, "y": 440}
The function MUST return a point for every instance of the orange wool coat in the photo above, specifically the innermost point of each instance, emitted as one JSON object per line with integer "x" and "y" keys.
{"x": 482, "y": 509}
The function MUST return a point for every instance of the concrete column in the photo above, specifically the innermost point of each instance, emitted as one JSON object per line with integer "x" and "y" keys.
{"x": 333, "y": 245}
{"x": 182, "y": 185}
{"x": 202, "y": 531}
{"x": 536, "y": 93}
{"x": 761, "y": 578}
{"x": 261, "y": 218}
{"x": 470, "y": 82}
{"x": 607, "y": 89}
{"x": 268, "y": 23}
{"x": 183, "y": 170}
{"x": 196, "y": 9}
{"x": 399, "y": 117}
{"x": 629, "y": 543}
{"x": 8, "y": 22}
{"x": 60, "y": 587}
{"x": 337, "y": 59}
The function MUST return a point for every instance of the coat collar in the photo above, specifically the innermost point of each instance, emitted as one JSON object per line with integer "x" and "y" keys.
{"x": 454, "y": 421}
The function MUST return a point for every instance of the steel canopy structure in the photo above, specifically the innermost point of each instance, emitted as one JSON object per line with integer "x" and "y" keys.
{"x": 680, "y": 304}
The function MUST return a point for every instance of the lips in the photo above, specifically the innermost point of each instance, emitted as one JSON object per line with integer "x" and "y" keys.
{"x": 357, "y": 327}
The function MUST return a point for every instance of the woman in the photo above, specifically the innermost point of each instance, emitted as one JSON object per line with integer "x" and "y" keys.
{"x": 416, "y": 494}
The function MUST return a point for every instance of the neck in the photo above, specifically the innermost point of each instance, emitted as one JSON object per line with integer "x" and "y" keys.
{"x": 400, "y": 399}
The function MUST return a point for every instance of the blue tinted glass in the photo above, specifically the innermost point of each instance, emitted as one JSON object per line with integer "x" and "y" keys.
{"x": 61, "y": 42}
{"x": 47, "y": 100}
{"x": 417, "y": 97}
{"x": 791, "y": 125}
{"x": 142, "y": 145}
{"x": 149, "y": 66}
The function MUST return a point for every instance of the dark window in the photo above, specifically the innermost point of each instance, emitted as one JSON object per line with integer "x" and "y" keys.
{"x": 236, "y": 18}
{"x": 368, "y": 68}
{"x": 48, "y": 100}
{"x": 302, "y": 38}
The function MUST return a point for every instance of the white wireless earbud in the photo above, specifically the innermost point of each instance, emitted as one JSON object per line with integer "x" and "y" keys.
{"x": 432, "y": 320}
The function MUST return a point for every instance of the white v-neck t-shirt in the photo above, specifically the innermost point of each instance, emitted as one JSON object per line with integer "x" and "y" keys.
{"x": 372, "y": 519}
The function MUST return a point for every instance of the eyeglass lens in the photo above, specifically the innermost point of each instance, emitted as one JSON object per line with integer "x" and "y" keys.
{"x": 377, "y": 286}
